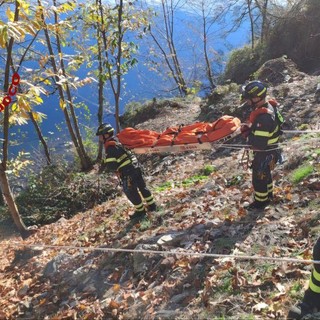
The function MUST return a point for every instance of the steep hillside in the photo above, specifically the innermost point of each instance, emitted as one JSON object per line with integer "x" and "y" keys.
{"x": 86, "y": 267}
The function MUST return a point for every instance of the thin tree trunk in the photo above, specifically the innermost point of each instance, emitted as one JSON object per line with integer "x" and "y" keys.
{"x": 84, "y": 164}
{"x": 249, "y": 2}
{"x": 205, "y": 49}
{"x": 169, "y": 23}
{"x": 264, "y": 23}
{"x": 119, "y": 56}
{"x": 166, "y": 58}
{"x": 4, "y": 183}
{"x": 116, "y": 88}
{"x": 34, "y": 122}
{"x": 100, "y": 83}
{"x": 84, "y": 158}
{"x": 41, "y": 138}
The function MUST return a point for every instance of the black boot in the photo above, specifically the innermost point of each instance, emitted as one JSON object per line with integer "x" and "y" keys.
{"x": 258, "y": 205}
{"x": 138, "y": 215}
{"x": 152, "y": 207}
{"x": 301, "y": 310}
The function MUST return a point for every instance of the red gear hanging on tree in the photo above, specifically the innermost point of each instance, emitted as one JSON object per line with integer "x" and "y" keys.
{"x": 13, "y": 88}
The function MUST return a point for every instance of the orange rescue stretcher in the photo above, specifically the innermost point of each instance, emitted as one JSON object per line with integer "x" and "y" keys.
{"x": 197, "y": 136}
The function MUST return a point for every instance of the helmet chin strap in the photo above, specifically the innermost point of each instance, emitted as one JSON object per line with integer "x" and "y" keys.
{"x": 106, "y": 139}
{"x": 254, "y": 104}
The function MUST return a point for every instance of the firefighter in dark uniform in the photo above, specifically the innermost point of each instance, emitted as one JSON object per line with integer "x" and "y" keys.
{"x": 120, "y": 160}
{"x": 262, "y": 132}
{"x": 311, "y": 300}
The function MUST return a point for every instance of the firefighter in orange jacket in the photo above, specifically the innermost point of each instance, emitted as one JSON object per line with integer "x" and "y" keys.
{"x": 311, "y": 300}
{"x": 262, "y": 132}
{"x": 125, "y": 164}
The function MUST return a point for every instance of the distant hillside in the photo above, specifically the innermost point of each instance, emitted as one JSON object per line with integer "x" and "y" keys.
{"x": 295, "y": 34}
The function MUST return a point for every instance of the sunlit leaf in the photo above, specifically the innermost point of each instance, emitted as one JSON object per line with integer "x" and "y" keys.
{"x": 116, "y": 288}
{"x": 62, "y": 104}
{"x": 3, "y": 36}
{"x": 114, "y": 305}
{"x": 10, "y": 14}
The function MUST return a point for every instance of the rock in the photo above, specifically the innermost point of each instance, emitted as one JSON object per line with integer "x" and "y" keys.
{"x": 141, "y": 260}
{"x": 52, "y": 266}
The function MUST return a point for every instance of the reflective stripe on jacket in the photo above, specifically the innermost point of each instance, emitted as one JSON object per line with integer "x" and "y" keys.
{"x": 118, "y": 158}
{"x": 265, "y": 129}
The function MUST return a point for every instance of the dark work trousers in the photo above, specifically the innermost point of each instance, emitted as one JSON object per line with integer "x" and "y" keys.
{"x": 132, "y": 183}
{"x": 261, "y": 175}
{"x": 312, "y": 295}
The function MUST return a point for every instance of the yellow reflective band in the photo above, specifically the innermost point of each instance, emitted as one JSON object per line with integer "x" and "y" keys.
{"x": 122, "y": 158}
{"x": 260, "y": 199}
{"x": 280, "y": 117}
{"x": 124, "y": 164}
{"x": 262, "y": 133}
{"x": 273, "y": 141}
{"x": 149, "y": 198}
{"x": 275, "y": 130}
{"x": 261, "y": 194}
{"x": 313, "y": 287}
{"x": 316, "y": 274}
{"x": 110, "y": 160}
{"x": 263, "y": 91}
{"x": 139, "y": 207}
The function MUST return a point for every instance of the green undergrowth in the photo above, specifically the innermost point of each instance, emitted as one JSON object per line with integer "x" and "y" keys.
{"x": 301, "y": 173}
{"x": 136, "y": 112}
{"x": 203, "y": 175}
{"x": 58, "y": 191}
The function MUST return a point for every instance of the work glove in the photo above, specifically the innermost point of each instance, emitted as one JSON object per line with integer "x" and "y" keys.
{"x": 245, "y": 130}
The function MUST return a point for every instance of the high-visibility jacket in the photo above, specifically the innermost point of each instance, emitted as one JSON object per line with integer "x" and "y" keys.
{"x": 118, "y": 158}
{"x": 265, "y": 129}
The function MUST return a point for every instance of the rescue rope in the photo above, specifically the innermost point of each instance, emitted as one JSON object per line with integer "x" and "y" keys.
{"x": 301, "y": 131}
{"x": 160, "y": 252}
{"x": 280, "y": 144}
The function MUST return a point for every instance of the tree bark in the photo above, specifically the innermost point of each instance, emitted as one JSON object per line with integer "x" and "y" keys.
{"x": 4, "y": 183}
{"x": 41, "y": 138}
{"x": 100, "y": 82}
{"x": 83, "y": 160}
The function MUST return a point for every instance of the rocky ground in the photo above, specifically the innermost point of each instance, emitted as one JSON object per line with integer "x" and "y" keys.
{"x": 58, "y": 274}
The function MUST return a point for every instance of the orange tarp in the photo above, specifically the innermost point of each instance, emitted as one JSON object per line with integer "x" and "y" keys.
{"x": 198, "y": 132}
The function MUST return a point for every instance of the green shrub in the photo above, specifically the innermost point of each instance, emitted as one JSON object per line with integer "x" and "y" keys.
{"x": 136, "y": 112}
{"x": 243, "y": 63}
{"x": 301, "y": 173}
{"x": 57, "y": 192}
{"x": 207, "y": 170}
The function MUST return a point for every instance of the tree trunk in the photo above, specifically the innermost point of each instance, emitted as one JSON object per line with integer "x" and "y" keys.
{"x": 84, "y": 158}
{"x": 84, "y": 163}
{"x": 34, "y": 122}
{"x": 205, "y": 49}
{"x": 100, "y": 83}
{"x": 41, "y": 138}
{"x": 4, "y": 183}
{"x": 251, "y": 24}
{"x": 9, "y": 199}
{"x": 119, "y": 56}
{"x": 169, "y": 24}
{"x": 115, "y": 87}
{"x": 264, "y": 23}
